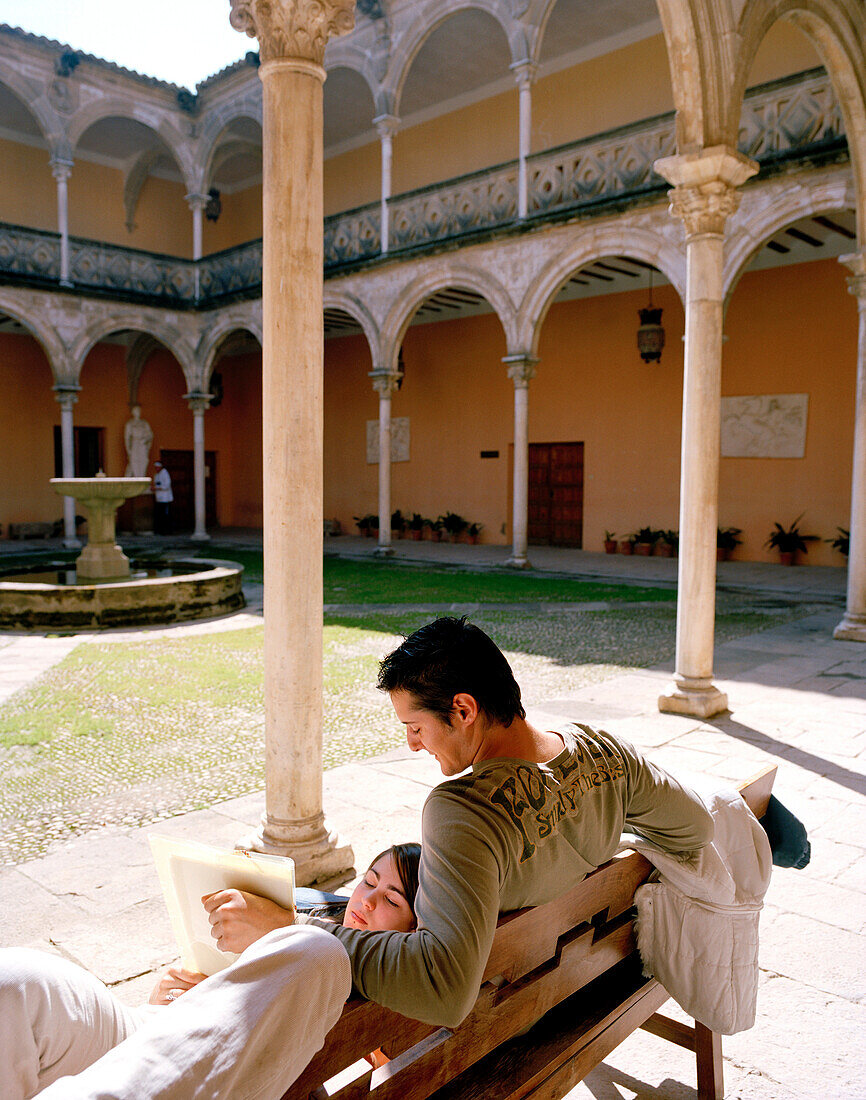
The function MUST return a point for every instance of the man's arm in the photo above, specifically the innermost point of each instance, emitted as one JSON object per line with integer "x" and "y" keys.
{"x": 434, "y": 974}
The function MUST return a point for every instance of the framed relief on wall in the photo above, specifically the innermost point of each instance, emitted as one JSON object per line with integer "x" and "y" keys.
{"x": 399, "y": 440}
{"x": 771, "y": 425}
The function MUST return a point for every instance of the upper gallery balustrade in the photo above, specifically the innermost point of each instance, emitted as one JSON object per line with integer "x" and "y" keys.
{"x": 793, "y": 119}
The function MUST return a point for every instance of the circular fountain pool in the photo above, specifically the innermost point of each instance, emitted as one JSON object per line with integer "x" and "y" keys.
{"x": 47, "y": 595}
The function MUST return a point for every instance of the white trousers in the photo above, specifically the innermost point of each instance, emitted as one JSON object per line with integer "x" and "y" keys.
{"x": 244, "y": 1034}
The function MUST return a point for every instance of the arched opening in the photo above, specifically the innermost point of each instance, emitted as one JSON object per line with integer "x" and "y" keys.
{"x": 604, "y": 424}
{"x": 28, "y": 194}
{"x": 124, "y": 369}
{"x": 352, "y": 168}
{"x": 233, "y": 433}
{"x": 788, "y": 382}
{"x": 450, "y": 94}
{"x": 27, "y": 446}
{"x": 127, "y": 188}
{"x": 235, "y": 173}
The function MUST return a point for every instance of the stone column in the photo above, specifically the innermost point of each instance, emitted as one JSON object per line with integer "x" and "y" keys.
{"x": 852, "y": 628}
{"x": 292, "y": 35}
{"x": 524, "y": 71}
{"x": 521, "y": 368}
{"x": 196, "y": 204}
{"x": 199, "y": 403}
{"x": 704, "y": 197}
{"x": 387, "y": 125}
{"x": 385, "y": 384}
{"x": 67, "y": 395}
{"x": 61, "y": 170}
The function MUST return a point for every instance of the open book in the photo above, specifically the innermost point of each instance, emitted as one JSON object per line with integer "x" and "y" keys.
{"x": 187, "y": 871}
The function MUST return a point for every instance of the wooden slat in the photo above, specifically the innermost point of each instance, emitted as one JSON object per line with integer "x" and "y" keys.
{"x": 672, "y": 1030}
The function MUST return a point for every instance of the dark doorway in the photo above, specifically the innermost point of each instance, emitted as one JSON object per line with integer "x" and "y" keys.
{"x": 88, "y": 444}
{"x": 180, "y": 467}
{"x": 556, "y": 494}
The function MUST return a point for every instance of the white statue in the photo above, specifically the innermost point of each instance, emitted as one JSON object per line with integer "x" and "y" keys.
{"x": 138, "y": 436}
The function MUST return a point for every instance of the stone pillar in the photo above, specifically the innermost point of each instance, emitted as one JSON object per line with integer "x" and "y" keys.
{"x": 292, "y": 35}
{"x": 196, "y": 204}
{"x": 199, "y": 403}
{"x": 61, "y": 170}
{"x": 852, "y": 628}
{"x": 521, "y": 368}
{"x": 387, "y": 126}
{"x": 67, "y": 395}
{"x": 385, "y": 384}
{"x": 704, "y": 197}
{"x": 524, "y": 71}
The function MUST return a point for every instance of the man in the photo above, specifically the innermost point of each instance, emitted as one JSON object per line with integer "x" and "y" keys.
{"x": 537, "y": 811}
{"x": 163, "y": 497}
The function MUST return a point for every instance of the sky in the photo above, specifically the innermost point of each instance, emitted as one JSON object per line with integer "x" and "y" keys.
{"x": 181, "y": 41}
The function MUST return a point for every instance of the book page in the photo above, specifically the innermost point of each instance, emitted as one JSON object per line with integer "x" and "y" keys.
{"x": 187, "y": 871}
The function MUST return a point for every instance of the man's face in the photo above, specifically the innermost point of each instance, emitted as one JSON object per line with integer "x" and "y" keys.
{"x": 449, "y": 744}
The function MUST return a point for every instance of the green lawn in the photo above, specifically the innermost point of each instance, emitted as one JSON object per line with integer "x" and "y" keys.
{"x": 131, "y": 732}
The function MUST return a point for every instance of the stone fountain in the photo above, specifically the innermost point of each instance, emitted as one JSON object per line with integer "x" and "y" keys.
{"x": 103, "y": 588}
{"x": 101, "y": 496}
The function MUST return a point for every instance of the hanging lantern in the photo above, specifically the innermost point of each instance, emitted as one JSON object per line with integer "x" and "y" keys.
{"x": 650, "y": 335}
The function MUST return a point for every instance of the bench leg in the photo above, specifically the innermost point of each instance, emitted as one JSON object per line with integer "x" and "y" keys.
{"x": 708, "y": 1054}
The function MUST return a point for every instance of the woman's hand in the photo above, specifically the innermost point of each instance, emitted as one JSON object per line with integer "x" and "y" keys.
{"x": 238, "y": 919}
{"x": 173, "y": 984}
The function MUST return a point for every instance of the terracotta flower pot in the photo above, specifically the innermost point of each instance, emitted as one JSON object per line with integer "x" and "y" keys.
{"x": 644, "y": 549}
{"x": 626, "y": 547}
{"x": 610, "y": 546}
{"x": 788, "y": 557}
{"x": 415, "y": 535}
{"x": 721, "y": 553}
{"x": 664, "y": 550}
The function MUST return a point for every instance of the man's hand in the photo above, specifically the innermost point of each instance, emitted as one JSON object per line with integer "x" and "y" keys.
{"x": 173, "y": 984}
{"x": 239, "y": 919}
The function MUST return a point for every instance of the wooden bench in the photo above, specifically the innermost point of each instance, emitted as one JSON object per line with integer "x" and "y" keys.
{"x": 573, "y": 962}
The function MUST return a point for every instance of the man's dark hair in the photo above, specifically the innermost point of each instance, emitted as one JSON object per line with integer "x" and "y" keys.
{"x": 449, "y": 656}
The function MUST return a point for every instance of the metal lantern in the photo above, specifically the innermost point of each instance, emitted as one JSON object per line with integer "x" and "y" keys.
{"x": 650, "y": 335}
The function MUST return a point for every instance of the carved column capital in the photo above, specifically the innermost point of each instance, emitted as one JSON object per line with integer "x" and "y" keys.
{"x": 521, "y": 369}
{"x": 67, "y": 394}
{"x": 524, "y": 72}
{"x": 705, "y": 191}
{"x": 386, "y": 383}
{"x": 198, "y": 402}
{"x": 386, "y": 125}
{"x": 856, "y": 264}
{"x": 60, "y": 169}
{"x": 293, "y": 29}
{"x": 195, "y": 201}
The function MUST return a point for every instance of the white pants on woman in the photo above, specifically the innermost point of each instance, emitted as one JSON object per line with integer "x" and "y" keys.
{"x": 245, "y": 1033}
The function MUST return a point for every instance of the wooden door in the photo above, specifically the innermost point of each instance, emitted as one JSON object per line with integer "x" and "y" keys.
{"x": 180, "y": 468}
{"x": 556, "y": 494}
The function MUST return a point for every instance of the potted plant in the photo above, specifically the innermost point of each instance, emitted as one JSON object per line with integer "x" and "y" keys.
{"x": 610, "y": 542}
{"x": 398, "y": 524}
{"x": 626, "y": 545}
{"x": 727, "y": 540}
{"x": 645, "y": 540}
{"x": 789, "y": 541}
{"x": 453, "y": 525}
{"x": 842, "y": 541}
{"x": 433, "y": 527}
{"x": 667, "y": 544}
{"x": 473, "y": 531}
{"x": 416, "y": 526}
{"x": 368, "y": 525}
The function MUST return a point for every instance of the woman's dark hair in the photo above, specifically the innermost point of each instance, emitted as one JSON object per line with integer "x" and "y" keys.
{"x": 449, "y": 656}
{"x": 406, "y": 857}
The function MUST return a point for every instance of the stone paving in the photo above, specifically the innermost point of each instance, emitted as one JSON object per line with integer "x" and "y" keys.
{"x": 798, "y": 699}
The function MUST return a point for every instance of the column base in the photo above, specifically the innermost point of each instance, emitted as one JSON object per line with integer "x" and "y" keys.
{"x": 693, "y": 700}
{"x": 320, "y": 859}
{"x": 851, "y": 629}
{"x": 518, "y": 562}
{"x": 200, "y": 536}
{"x": 72, "y": 544}
{"x": 67, "y": 283}
{"x": 383, "y": 552}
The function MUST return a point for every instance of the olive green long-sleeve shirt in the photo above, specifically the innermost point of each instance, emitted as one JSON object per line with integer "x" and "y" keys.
{"x": 507, "y": 835}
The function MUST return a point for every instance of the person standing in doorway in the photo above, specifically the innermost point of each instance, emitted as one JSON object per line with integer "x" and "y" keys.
{"x": 163, "y": 497}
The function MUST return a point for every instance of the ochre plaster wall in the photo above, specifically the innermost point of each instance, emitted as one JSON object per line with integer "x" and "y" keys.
{"x": 793, "y": 330}
{"x": 353, "y": 179}
{"x": 28, "y": 414}
{"x": 28, "y": 193}
{"x": 234, "y": 431}
{"x": 240, "y": 221}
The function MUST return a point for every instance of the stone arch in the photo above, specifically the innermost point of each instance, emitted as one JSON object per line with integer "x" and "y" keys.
{"x": 430, "y": 18}
{"x": 250, "y": 107}
{"x": 207, "y": 353}
{"x": 207, "y": 164}
{"x": 749, "y": 232}
{"x": 32, "y": 318}
{"x": 837, "y": 29}
{"x": 411, "y": 297}
{"x": 350, "y": 56}
{"x": 355, "y": 308}
{"x": 47, "y": 120}
{"x": 153, "y": 326}
{"x": 644, "y": 244}
{"x": 117, "y": 107}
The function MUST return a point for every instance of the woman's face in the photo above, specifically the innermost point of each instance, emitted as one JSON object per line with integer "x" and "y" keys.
{"x": 378, "y": 903}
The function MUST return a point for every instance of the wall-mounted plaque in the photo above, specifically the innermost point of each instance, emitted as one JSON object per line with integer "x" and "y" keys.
{"x": 399, "y": 440}
{"x": 771, "y": 425}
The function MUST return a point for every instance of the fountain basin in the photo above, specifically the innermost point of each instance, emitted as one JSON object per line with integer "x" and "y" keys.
{"x": 199, "y": 588}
